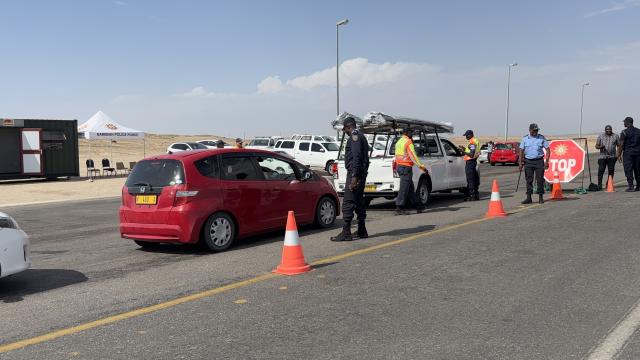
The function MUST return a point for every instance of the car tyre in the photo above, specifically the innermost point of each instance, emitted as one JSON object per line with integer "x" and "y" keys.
{"x": 326, "y": 212}
{"x": 219, "y": 232}
{"x": 423, "y": 192}
{"x": 493, "y": 164}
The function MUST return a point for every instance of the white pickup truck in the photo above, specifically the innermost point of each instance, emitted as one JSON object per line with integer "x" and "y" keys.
{"x": 443, "y": 160}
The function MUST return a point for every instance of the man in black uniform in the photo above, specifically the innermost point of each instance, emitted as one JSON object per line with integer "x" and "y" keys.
{"x": 356, "y": 160}
{"x": 629, "y": 153}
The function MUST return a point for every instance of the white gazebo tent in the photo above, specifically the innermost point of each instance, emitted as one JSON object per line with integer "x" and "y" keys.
{"x": 101, "y": 127}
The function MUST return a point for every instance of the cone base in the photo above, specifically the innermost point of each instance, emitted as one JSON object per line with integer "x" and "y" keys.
{"x": 293, "y": 270}
{"x": 495, "y": 210}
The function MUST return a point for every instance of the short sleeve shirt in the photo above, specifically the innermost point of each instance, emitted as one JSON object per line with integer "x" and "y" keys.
{"x": 533, "y": 146}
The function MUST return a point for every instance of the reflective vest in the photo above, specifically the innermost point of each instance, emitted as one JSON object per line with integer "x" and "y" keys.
{"x": 467, "y": 150}
{"x": 405, "y": 153}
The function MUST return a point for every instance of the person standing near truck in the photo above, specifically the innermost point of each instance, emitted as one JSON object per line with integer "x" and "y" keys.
{"x": 629, "y": 153}
{"x": 607, "y": 144}
{"x": 406, "y": 159}
{"x": 356, "y": 160}
{"x": 532, "y": 150}
{"x": 471, "y": 154}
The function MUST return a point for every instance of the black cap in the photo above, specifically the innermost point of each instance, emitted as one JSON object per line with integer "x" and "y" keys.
{"x": 349, "y": 121}
{"x": 238, "y": 140}
{"x": 533, "y": 126}
{"x": 468, "y": 132}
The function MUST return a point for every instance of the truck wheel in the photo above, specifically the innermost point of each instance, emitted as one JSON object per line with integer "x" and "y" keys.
{"x": 327, "y": 167}
{"x": 423, "y": 192}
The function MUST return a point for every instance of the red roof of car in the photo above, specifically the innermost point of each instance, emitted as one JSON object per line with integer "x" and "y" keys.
{"x": 191, "y": 153}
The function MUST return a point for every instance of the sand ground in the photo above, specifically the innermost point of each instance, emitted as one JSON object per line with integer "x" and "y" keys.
{"x": 31, "y": 191}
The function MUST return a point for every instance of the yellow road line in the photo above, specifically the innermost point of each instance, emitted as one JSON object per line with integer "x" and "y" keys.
{"x": 208, "y": 293}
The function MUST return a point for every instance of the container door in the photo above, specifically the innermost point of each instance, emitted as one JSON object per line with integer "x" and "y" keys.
{"x": 31, "y": 152}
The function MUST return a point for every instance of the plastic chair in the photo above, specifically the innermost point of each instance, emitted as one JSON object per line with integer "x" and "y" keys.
{"x": 106, "y": 167}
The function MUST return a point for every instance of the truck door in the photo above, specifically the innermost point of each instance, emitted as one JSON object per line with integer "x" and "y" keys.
{"x": 434, "y": 157}
{"x": 455, "y": 165}
{"x": 31, "y": 151}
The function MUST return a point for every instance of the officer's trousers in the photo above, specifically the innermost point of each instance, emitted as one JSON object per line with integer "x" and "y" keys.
{"x": 473, "y": 177}
{"x": 631, "y": 163}
{"x": 353, "y": 201}
{"x": 604, "y": 164}
{"x": 531, "y": 168}
{"x": 407, "y": 197}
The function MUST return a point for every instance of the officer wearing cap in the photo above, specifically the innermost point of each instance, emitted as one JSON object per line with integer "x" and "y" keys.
{"x": 471, "y": 154}
{"x": 219, "y": 144}
{"x": 356, "y": 161}
{"x": 239, "y": 143}
{"x": 532, "y": 158}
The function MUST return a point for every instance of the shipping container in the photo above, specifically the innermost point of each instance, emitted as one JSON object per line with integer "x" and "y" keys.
{"x": 32, "y": 148}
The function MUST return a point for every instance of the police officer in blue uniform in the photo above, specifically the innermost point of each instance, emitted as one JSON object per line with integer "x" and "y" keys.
{"x": 629, "y": 153}
{"x": 356, "y": 160}
{"x": 532, "y": 159}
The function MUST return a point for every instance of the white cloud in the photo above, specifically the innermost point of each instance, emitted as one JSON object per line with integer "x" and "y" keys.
{"x": 271, "y": 84}
{"x": 197, "y": 92}
{"x": 358, "y": 72}
{"x": 615, "y": 6}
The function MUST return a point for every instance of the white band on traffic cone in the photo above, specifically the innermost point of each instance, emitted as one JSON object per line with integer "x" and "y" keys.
{"x": 291, "y": 238}
{"x": 495, "y": 196}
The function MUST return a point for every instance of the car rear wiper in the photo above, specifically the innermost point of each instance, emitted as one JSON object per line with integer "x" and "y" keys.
{"x": 142, "y": 183}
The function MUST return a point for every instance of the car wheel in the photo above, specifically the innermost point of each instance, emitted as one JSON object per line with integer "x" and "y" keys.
{"x": 326, "y": 212}
{"x": 493, "y": 164}
{"x": 148, "y": 244}
{"x": 423, "y": 192}
{"x": 327, "y": 167}
{"x": 219, "y": 232}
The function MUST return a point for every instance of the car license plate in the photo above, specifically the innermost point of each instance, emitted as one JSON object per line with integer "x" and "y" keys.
{"x": 370, "y": 188}
{"x": 146, "y": 199}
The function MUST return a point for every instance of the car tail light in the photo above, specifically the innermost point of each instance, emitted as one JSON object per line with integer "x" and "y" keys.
{"x": 184, "y": 194}
{"x": 394, "y": 167}
{"x": 334, "y": 170}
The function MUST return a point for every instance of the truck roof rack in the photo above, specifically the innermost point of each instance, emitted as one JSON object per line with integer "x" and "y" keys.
{"x": 380, "y": 123}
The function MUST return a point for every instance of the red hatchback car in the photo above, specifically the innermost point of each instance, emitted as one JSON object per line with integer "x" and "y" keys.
{"x": 216, "y": 196}
{"x": 504, "y": 153}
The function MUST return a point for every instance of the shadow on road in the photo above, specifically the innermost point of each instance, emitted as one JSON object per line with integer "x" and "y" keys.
{"x": 15, "y": 287}
{"x": 401, "y": 232}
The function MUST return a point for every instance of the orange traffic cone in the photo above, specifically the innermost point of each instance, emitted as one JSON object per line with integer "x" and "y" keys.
{"x": 293, "y": 262}
{"x": 610, "y": 187}
{"x": 495, "y": 204}
{"x": 556, "y": 191}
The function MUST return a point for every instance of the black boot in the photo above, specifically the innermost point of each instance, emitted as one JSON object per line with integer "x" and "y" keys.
{"x": 540, "y": 199}
{"x": 345, "y": 235}
{"x": 527, "y": 200}
{"x": 476, "y": 195}
{"x": 401, "y": 211}
{"x": 630, "y": 188}
{"x": 362, "y": 230}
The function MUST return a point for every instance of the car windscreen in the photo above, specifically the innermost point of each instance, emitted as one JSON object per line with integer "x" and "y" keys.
{"x": 504, "y": 147}
{"x": 207, "y": 143}
{"x": 259, "y": 142}
{"x": 331, "y": 146}
{"x": 196, "y": 146}
{"x": 156, "y": 173}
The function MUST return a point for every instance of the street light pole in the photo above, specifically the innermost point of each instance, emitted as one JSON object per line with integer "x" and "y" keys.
{"x": 581, "y": 108}
{"x": 338, "y": 24}
{"x": 506, "y": 124}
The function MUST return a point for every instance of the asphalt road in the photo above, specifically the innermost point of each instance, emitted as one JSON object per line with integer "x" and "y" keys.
{"x": 548, "y": 282}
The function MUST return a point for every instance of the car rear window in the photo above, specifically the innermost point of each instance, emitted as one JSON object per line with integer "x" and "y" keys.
{"x": 504, "y": 147}
{"x": 287, "y": 145}
{"x": 196, "y": 146}
{"x": 331, "y": 146}
{"x": 156, "y": 173}
{"x": 259, "y": 142}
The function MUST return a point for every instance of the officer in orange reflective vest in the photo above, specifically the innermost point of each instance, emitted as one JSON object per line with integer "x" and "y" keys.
{"x": 471, "y": 154}
{"x": 406, "y": 159}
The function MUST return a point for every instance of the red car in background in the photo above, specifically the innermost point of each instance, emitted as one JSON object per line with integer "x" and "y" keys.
{"x": 216, "y": 196}
{"x": 505, "y": 153}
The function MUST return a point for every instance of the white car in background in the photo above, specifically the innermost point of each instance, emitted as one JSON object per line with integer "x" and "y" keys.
{"x": 15, "y": 255}
{"x": 185, "y": 146}
{"x": 262, "y": 143}
{"x": 484, "y": 154}
{"x": 212, "y": 144}
{"x": 312, "y": 151}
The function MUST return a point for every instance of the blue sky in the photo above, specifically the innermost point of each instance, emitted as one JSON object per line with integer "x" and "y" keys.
{"x": 265, "y": 67}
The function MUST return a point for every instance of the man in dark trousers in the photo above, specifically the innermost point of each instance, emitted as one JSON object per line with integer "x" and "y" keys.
{"x": 532, "y": 149}
{"x": 607, "y": 143}
{"x": 629, "y": 153}
{"x": 471, "y": 154}
{"x": 356, "y": 161}
{"x": 406, "y": 158}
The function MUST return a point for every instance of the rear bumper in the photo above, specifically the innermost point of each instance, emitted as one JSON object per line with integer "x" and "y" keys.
{"x": 154, "y": 232}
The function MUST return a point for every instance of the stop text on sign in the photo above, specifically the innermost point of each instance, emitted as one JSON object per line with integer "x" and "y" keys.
{"x": 562, "y": 164}
{"x": 566, "y": 161}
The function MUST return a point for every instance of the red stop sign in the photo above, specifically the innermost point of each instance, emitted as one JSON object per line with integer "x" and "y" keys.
{"x": 567, "y": 159}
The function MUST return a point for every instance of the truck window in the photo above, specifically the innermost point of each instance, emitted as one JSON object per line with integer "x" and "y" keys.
{"x": 450, "y": 149}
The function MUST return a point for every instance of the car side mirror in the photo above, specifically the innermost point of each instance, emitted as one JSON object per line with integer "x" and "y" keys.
{"x": 307, "y": 175}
